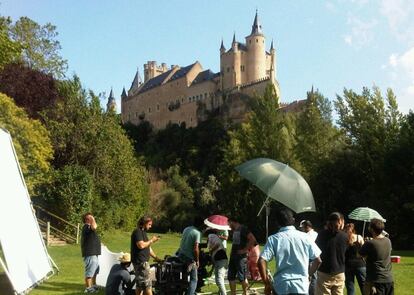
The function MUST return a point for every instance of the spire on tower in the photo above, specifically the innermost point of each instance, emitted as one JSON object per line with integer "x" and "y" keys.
{"x": 136, "y": 82}
{"x": 257, "y": 27}
{"x": 234, "y": 38}
{"x": 271, "y": 46}
{"x": 111, "y": 95}
{"x": 123, "y": 95}
{"x": 222, "y": 48}
{"x": 111, "y": 105}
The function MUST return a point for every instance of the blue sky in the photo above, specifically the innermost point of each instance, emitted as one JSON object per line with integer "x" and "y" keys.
{"x": 327, "y": 44}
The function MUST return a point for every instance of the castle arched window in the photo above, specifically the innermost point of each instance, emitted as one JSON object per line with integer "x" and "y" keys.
{"x": 149, "y": 110}
{"x": 250, "y": 41}
{"x": 257, "y": 40}
{"x": 158, "y": 106}
{"x": 228, "y": 69}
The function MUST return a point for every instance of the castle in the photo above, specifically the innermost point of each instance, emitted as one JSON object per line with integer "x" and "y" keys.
{"x": 182, "y": 94}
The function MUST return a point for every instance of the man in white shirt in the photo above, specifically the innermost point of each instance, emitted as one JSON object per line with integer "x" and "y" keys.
{"x": 306, "y": 226}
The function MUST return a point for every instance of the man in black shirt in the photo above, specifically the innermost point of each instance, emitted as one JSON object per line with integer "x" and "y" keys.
{"x": 140, "y": 253}
{"x": 378, "y": 259}
{"x": 91, "y": 248}
{"x": 119, "y": 278}
{"x": 243, "y": 241}
{"x": 333, "y": 243}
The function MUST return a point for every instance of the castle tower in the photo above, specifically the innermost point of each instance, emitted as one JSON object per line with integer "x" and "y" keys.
{"x": 111, "y": 105}
{"x": 236, "y": 62}
{"x": 256, "y": 52}
{"x": 272, "y": 71}
{"x": 151, "y": 70}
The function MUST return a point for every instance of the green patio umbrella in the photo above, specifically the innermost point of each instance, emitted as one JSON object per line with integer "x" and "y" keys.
{"x": 365, "y": 214}
{"x": 279, "y": 182}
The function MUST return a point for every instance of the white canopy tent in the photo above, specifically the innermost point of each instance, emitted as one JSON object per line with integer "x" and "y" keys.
{"x": 27, "y": 261}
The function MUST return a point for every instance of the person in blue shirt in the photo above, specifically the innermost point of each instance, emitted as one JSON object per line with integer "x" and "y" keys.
{"x": 292, "y": 250}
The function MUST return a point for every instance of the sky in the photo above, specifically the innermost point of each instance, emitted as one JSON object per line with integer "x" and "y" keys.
{"x": 330, "y": 45}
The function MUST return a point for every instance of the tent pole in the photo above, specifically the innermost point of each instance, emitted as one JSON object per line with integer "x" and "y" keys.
{"x": 53, "y": 263}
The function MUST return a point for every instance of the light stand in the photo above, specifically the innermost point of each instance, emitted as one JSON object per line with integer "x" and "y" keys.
{"x": 266, "y": 205}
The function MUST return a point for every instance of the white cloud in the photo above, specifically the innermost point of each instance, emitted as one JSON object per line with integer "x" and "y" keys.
{"x": 400, "y": 15}
{"x": 401, "y": 73}
{"x": 330, "y": 6}
{"x": 362, "y": 32}
{"x": 348, "y": 39}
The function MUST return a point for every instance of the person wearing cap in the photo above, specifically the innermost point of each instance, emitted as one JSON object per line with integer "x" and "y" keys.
{"x": 119, "y": 278}
{"x": 90, "y": 248}
{"x": 333, "y": 242}
{"x": 292, "y": 250}
{"x": 140, "y": 254}
{"x": 377, "y": 252}
{"x": 307, "y": 227}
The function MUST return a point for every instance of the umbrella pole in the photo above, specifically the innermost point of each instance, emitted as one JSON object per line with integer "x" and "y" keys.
{"x": 263, "y": 206}
{"x": 267, "y": 219}
{"x": 363, "y": 230}
{"x": 266, "y": 205}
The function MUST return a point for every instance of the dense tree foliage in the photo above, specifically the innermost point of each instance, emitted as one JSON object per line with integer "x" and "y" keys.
{"x": 31, "y": 89}
{"x": 70, "y": 192}
{"x": 38, "y": 44}
{"x": 31, "y": 142}
{"x": 82, "y": 134}
{"x": 10, "y": 51}
{"x": 316, "y": 136}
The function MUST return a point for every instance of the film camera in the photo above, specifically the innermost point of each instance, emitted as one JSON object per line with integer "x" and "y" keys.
{"x": 172, "y": 276}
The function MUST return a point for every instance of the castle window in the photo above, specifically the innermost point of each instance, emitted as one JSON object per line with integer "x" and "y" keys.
{"x": 193, "y": 98}
{"x": 205, "y": 95}
{"x": 250, "y": 41}
{"x": 228, "y": 69}
{"x": 158, "y": 106}
{"x": 182, "y": 99}
{"x": 149, "y": 110}
{"x": 136, "y": 115}
{"x": 257, "y": 40}
{"x": 189, "y": 99}
{"x": 191, "y": 119}
{"x": 242, "y": 68}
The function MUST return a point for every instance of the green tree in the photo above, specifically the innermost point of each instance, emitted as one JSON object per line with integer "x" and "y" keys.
{"x": 31, "y": 142}
{"x": 174, "y": 206}
{"x": 316, "y": 136}
{"x": 10, "y": 51}
{"x": 40, "y": 48}
{"x": 82, "y": 134}
{"x": 70, "y": 192}
{"x": 268, "y": 132}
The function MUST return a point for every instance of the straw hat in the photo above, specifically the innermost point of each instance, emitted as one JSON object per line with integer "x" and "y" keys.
{"x": 125, "y": 258}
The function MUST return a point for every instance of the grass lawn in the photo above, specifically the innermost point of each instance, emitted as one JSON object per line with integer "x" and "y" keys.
{"x": 69, "y": 281}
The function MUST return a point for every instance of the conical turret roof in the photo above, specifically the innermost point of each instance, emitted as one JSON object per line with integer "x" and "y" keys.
{"x": 136, "y": 82}
{"x": 123, "y": 95}
{"x": 222, "y": 45}
{"x": 256, "y": 27}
